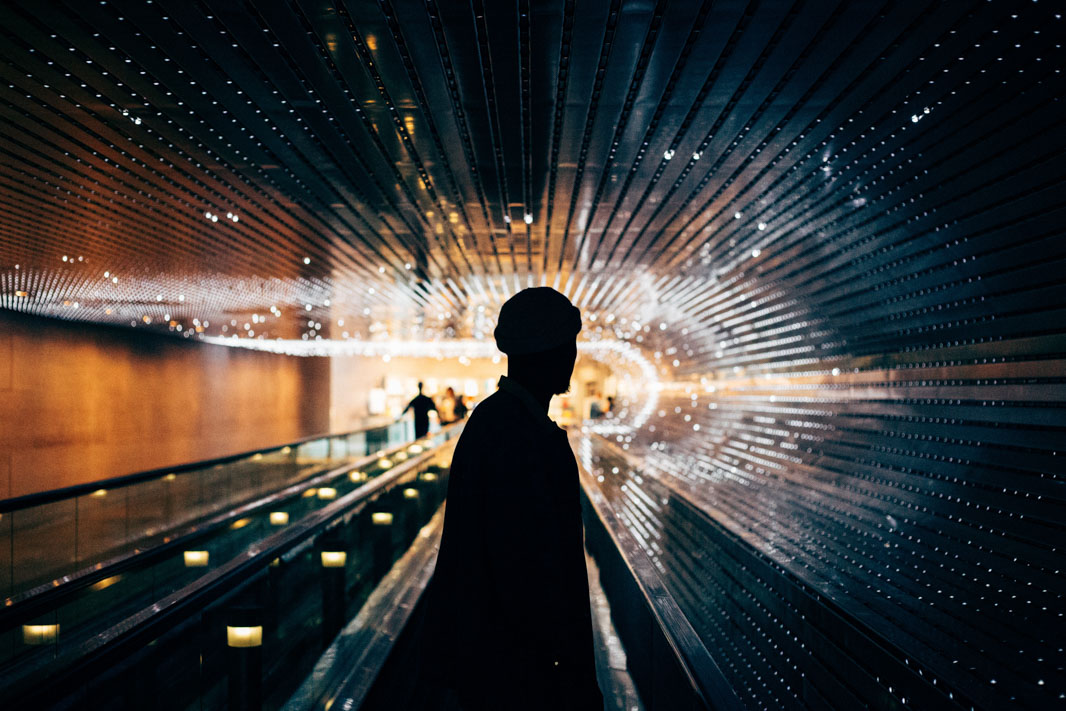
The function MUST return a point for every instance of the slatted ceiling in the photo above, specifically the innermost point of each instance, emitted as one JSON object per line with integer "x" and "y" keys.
{"x": 760, "y": 56}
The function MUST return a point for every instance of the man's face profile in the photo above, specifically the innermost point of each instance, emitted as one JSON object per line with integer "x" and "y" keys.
{"x": 551, "y": 369}
{"x": 567, "y": 361}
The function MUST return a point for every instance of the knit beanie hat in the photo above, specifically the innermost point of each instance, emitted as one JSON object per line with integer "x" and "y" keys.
{"x": 536, "y": 320}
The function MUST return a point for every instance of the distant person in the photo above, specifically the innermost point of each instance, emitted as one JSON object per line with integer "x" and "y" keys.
{"x": 460, "y": 407}
{"x": 422, "y": 405}
{"x": 610, "y": 405}
{"x": 595, "y": 407}
{"x": 507, "y": 622}
{"x": 446, "y": 408}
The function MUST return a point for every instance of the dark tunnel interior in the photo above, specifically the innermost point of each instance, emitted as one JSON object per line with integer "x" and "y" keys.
{"x": 820, "y": 243}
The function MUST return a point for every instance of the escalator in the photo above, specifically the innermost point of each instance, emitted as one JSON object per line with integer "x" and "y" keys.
{"x": 139, "y": 625}
{"x": 648, "y": 654}
{"x": 709, "y": 617}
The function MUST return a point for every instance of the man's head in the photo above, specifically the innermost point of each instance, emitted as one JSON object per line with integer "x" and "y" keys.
{"x": 537, "y": 329}
{"x": 547, "y": 371}
{"x": 419, "y": 386}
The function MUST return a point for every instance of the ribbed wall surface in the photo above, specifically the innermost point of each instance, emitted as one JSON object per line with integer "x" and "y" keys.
{"x": 925, "y": 499}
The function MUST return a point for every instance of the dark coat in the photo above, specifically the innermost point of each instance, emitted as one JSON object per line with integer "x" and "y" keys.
{"x": 507, "y": 622}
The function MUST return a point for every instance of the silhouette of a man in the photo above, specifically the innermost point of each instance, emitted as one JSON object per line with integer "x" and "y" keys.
{"x": 421, "y": 404}
{"x": 507, "y": 622}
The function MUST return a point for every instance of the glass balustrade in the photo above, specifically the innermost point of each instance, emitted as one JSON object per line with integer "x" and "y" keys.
{"x": 48, "y": 536}
{"x": 336, "y": 535}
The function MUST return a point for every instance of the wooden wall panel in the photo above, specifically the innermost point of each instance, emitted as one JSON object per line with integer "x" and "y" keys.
{"x": 87, "y": 402}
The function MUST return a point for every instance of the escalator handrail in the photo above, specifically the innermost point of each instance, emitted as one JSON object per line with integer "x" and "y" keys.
{"x": 68, "y": 492}
{"x": 102, "y": 650}
{"x": 707, "y": 681}
{"x": 352, "y": 665}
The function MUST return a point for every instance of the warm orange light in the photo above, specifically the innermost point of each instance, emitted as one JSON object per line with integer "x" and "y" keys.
{"x": 428, "y": 476}
{"x": 410, "y": 493}
{"x": 105, "y": 583}
{"x": 279, "y": 518}
{"x": 99, "y": 494}
{"x": 240, "y": 523}
{"x": 357, "y": 476}
{"x": 381, "y": 518}
{"x": 309, "y": 493}
{"x": 327, "y": 492}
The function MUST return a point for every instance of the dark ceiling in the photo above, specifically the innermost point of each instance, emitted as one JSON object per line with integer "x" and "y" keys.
{"x": 747, "y": 174}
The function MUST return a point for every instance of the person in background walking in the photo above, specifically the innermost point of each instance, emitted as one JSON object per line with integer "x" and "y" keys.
{"x": 421, "y": 404}
{"x": 446, "y": 410}
{"x": 460, "y": 408}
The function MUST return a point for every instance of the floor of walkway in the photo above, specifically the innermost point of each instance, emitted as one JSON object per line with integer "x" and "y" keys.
{"x": 619, "y": 693}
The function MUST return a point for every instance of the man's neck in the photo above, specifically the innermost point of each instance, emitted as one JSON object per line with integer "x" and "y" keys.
{"x": 542, "y": 395}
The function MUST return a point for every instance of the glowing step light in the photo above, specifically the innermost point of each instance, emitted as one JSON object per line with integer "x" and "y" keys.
{"x": 196, "y": 559}
{"x": 334, "y": 559}
{"x": 40, "y": 634}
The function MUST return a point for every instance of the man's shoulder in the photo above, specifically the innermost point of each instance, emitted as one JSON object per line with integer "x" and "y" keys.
{"x": 489, "y": 411}
{"x": 506, "y": 421}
